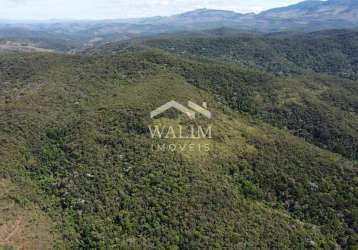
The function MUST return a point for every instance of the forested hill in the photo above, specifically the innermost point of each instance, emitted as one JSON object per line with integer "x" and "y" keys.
{"x": 302, "y": 88}
{"x": 333, "y": 52}
{"x": 75, "y": 138}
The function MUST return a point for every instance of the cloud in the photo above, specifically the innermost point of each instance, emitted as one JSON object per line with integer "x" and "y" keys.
{"x": 111, "y": 9}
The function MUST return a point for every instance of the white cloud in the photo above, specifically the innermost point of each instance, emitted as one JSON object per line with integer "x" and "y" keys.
{"x": 110, "y": 9}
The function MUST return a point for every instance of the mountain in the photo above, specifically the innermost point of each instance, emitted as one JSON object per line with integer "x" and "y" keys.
{"x": 201, "y": 19}
{"x": 315, "y": 9}
{"x": 310, "y": 15}
{"x": 201, "y": 14}
{"x": 327, "y": 58}
{"x": 334, "y": 13}
{"x": 192, "y": 20}
{"x": 307, "y": 16}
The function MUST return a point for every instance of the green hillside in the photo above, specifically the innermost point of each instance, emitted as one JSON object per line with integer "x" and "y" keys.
{"x": 332, "y": 52}
{"x": 321, "y": 109}
{"x": 76, "y": 145}
{"x": 304, "y": 90}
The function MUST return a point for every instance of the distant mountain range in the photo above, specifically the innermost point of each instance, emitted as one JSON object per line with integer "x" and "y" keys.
{"x": 346, "y": 10}
{"x": 310, "y": 15}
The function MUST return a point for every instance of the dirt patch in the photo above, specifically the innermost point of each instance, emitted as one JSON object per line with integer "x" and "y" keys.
{"x": 23, "y": 228}
{"x": 23, "y": 47}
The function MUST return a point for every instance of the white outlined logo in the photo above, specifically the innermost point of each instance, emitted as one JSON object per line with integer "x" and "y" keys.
{"x": 189, "y": 112}
{"x": 192, "y": 135}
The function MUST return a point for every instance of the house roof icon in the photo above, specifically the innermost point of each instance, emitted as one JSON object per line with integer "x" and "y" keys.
{"x": 190, "y": 112}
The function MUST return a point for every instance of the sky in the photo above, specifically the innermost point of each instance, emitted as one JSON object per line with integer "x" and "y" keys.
{"x": 115, "y": 9}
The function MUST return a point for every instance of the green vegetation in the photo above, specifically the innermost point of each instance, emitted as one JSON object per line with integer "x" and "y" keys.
{"x": 331, "y": 52}
{"x": 321, "y": 109}
{"x": 74, "y": 136}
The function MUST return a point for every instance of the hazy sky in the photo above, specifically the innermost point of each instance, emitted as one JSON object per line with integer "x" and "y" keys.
{"x": 109, "y": 9}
